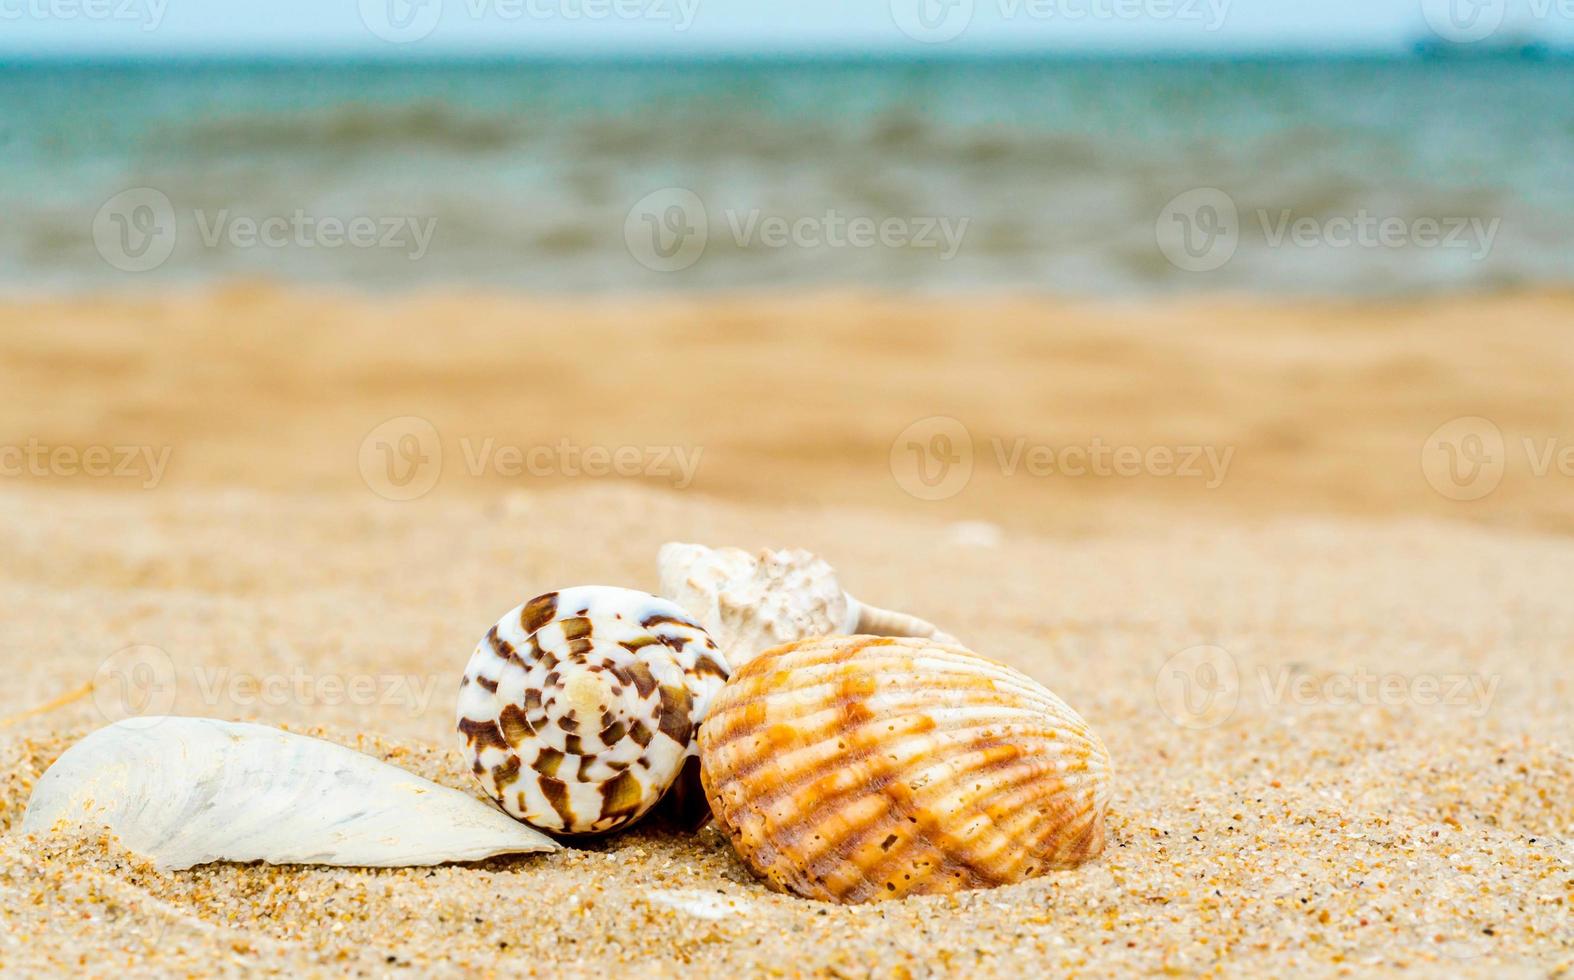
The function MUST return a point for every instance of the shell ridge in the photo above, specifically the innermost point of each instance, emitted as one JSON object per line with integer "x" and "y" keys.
{"x": 1018, "y": 789}
{"x": 839, "y": 845}
{"x": 892, "y": 687}
{"x": 812, "y": 732}
{"x": 863, "y": 768}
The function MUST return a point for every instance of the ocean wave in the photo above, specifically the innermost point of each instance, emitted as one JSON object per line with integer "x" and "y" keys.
{"x": 353, "y": 126}
{"x": 1053, "y": 177}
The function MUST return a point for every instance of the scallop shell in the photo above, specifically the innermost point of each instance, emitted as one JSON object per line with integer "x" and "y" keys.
{"x": 187, "y": 791}
{"x": 855, "y": 769}
{"x": 578, "y": 709}
{"x": 750, "y": 603}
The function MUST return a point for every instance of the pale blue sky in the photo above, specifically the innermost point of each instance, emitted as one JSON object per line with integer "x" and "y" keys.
{"x": 416, "y": 27}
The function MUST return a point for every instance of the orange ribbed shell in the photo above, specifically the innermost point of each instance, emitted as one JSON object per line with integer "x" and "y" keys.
{"x": 860, "y": 768}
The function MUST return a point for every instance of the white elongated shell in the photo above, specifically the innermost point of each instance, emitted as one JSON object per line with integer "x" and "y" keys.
{"x": 855, "y": 769}
{"x": 578, "y": 710}
{"x": 750, "y": 603}
{"x": 187, "y": 791}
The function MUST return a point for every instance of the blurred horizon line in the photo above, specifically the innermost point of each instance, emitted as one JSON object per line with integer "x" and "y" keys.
{"x": 1420, "y": 51}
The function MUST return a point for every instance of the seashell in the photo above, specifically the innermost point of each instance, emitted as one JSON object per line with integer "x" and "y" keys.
{"x": 579, "y": 708}
{"x": 750, "y": 603}
{"x": 187, "y": 791}
{"x": 855, "y": 769}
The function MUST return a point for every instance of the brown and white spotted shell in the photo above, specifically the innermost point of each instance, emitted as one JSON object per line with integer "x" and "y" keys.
{"x": 579, "y": 709}
{"x": 861, "y": 768}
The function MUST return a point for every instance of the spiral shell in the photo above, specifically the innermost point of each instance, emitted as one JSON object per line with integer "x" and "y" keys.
{"x": 752, "y": 602}
{"x": 855, "y": 769}
{"x": 578, "y": 709}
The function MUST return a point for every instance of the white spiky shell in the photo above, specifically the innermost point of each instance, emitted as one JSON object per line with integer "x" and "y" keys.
{"x": 187, "y": 791}
{"x": 750, "y": 603}
{"x": 855, "y": 769}
{"x": 578, "y": 709}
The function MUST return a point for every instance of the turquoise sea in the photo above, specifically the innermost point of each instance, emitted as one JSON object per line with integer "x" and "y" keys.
{"x": 1346, "y": 176}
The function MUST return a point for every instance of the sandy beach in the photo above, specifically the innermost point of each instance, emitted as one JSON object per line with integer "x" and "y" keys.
{"x": 1383, "y": 778}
